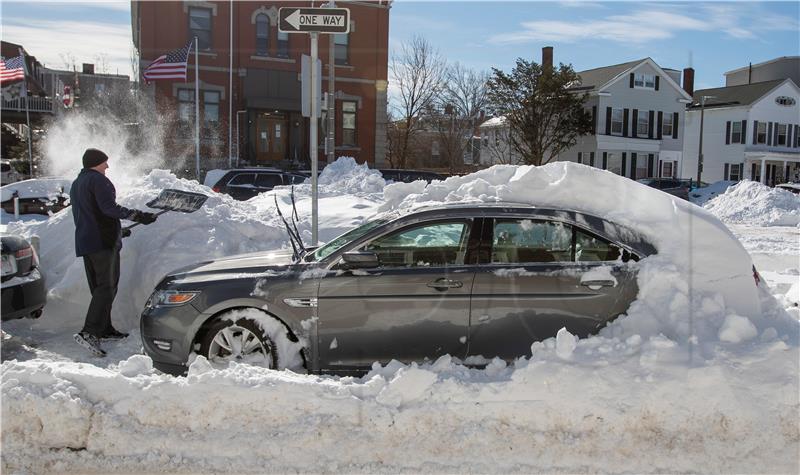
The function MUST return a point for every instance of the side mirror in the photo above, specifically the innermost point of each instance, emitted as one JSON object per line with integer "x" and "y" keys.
{"x": 360, "y": 260}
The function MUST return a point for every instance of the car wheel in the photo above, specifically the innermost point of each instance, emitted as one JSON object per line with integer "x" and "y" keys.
{"x": 242, "y": 340}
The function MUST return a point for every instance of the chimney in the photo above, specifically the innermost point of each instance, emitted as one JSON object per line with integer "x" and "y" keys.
{"x": 688, "y": 80}
{"x": 547, "y": 57}
{"x": 88, "y": 68}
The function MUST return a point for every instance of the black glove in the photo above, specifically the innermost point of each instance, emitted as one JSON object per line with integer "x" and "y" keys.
{"x": 143, "y": 217}
{"x": 126, "y": 232}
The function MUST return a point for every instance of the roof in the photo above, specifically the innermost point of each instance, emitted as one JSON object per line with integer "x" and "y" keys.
{"x": 745, "y": 68}
{"x": 494, "y": 121}
{"x": 594, "y": 78}
{"x": 732, "y": 96}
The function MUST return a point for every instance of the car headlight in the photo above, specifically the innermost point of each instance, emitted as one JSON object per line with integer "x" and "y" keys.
{"x": 171, "y": 298}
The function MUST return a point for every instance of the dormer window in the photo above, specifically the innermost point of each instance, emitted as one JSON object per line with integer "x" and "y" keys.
{"x": 643, "y": 80}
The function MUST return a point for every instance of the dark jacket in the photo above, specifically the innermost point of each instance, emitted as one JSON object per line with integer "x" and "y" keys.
{"x": 96, "y": 213}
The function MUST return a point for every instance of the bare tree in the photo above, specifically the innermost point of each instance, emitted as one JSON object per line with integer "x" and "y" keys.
{"x": 417, "y": 70}
{"x": 497, "y": 144}
{"x": 70, "y": 63}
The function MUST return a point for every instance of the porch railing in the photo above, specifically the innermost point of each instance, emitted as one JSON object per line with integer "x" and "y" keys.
{"x": 35, "y": 104}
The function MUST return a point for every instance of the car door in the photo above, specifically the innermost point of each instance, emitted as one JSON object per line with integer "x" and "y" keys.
{"x": 541, "y": 275}
{"x": 267, "y": 181}
{"x": 242, "y": 186}
{"x": 414, "y": 306}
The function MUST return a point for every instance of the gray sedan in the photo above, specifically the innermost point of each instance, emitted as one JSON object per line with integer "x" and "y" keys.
{"x": 472, "y": 281}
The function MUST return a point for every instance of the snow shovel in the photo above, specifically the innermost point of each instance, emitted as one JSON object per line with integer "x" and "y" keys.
{"x": 175, "y": 200}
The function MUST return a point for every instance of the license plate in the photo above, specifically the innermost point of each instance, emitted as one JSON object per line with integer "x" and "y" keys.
{"x": 9, "y": 265}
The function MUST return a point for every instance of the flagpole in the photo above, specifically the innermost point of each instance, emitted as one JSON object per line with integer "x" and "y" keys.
{"x": 230, "y": 90}
{"x": 27, "y": 110}
{"x": 196, "y": 108}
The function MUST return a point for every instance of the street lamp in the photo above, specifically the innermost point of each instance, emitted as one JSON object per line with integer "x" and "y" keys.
{"x": 700, "y": 151}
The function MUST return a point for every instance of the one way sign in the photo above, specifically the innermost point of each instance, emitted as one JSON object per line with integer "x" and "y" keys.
{"x": 320, "y": 20}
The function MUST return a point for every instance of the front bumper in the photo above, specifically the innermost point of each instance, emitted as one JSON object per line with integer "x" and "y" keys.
{"x": 25, "y": 299}
{"x": 167, "y": 336}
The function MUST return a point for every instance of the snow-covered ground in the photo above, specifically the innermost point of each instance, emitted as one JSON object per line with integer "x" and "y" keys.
{"x": 691, "y": 380}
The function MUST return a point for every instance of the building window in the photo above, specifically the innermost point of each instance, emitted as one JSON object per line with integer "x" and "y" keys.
{"x": 435, "y": 148}
{"x": 615, "y": 163}
{"x": 666, "y": 125}
{"x": 666, "y": 169}
{"x": 736, "y": 132}
{"x": 348, "y": 123}
{"x": 200, "y": 26}
{"x": 186, "y": 105}
{"x": 641, "y": 166}
{"x": 642, "y": 124}
{"x": 735, "y": 172}
{"x": 616, "y": 122}
{"x": 211, "y": 106}
{"x": 782, "y": 134}
{"x": 283, "y": 44}
{"x": 644, "y": 80}
{"x": 262, "y": 35}
{"x": 761, "y": 136}
{"x": 341, "y": 43}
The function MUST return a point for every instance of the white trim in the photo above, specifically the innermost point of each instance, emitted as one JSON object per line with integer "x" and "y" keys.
{"x": 272, "y": 14}
{"x": 664, "y": 76}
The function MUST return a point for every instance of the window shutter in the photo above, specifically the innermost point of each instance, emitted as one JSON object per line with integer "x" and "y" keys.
{"x": 769, "y": 133}
{"x": 660, "y": 125}
{"x": 650, "y": 163}
{"x": 753, "y": 172}
{"x": 725, "y": 174}
{"x": 796, "y": 130}
{"x": 594, "y": 120}
{"x": 608, "y": 121}
{"x": 580, "y": 156}
{"x": 775, "y": 138}
{"x": 635, "y": 123}
{"x": 633, "y": 165}
{"x": 651, "y": 123}
{"x": 591, "y": 159}
{"x": 674, "y": 169}
{"x": 658, "y": 80}
{"x": 755, "y": 132}
{"x": 625, "y": 122}
{"x": 624, "y": 164}
{"x": 605, "y": 160}
{"x": 631, "y": 76}
{"x": 675, "y": 125}
{"x": 660, "y": 167}
{"x": 741, "y": 171}
{"x": 727, "y": 133}
{"x": 744, "y": 132}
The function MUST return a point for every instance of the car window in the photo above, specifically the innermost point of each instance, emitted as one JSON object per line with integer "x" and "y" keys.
{"x": 243, "y": 179}
{"x": 590, "y": 248}
{"x": 268, "y": 180}
{"x": 520, "y": 241}
{"x": 294, "y": 179}
{"x": 424, "y": 245}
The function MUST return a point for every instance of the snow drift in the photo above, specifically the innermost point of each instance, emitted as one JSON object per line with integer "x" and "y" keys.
{"x": 750, "y": 202}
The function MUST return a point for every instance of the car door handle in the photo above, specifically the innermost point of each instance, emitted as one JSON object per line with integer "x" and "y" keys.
{"x": 444, "y": 284}
{"x": 598, "y": 283}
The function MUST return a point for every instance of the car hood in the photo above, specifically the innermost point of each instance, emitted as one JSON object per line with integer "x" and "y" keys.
{"x": 251, "y": 263}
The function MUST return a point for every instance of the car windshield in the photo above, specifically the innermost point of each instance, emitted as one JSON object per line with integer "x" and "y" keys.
{"x": 341, "y": 241}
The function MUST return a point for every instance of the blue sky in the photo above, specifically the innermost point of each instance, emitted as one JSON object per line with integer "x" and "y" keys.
{"x": 713, "y": 37}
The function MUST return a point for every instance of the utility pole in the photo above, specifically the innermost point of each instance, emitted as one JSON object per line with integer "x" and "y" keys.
{"x": 700, "y": 151}
{"x": 331, "y": 102}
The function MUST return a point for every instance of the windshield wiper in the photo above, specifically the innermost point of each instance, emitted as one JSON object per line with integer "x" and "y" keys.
{"x": 298, "y": 249}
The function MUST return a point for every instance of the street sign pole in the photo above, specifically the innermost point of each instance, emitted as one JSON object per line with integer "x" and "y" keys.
{"x": 313, "y": 134}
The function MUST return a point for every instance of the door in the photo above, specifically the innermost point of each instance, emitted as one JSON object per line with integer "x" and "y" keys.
{"x": 541, "y": 276}
{"x": 271, "y": 137}
{"x": 413, "y": 307}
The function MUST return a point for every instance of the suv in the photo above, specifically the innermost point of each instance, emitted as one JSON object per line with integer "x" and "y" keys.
{"x": 674, "y": 186}
{"x": 407, "y": 176}
{"x": 9, "y": 175}
{"x": 245, "y": 183}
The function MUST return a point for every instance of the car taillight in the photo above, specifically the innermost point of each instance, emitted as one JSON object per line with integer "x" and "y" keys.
{"x": 756, "y": 276}
{"x": 25, "y": 252}
{"x": 215, "y": 189}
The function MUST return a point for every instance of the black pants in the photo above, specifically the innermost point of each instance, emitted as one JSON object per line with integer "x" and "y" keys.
{"x": 102, "y": 272}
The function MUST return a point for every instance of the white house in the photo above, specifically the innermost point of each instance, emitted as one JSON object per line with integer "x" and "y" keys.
{"x": 749, "y": 131}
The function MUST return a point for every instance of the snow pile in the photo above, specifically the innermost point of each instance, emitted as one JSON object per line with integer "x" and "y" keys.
{"x": 700, "y": 377}
{"x": 701, "y": 196}
{"x": 50, "y": 187}
{"x": 347, "y": 177}
{"x": 752, "y": 203}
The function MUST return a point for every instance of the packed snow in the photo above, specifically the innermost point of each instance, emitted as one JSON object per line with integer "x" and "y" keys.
{"x": 750, "y": 202}
{"x": 701, "y": 375}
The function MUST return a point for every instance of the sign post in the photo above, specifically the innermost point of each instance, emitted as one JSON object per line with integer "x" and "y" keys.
{"x": 314, "y": 21}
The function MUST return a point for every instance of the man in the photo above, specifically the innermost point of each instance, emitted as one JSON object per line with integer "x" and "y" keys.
{"x": 98, "y": 239}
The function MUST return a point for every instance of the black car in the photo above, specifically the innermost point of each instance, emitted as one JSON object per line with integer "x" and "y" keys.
{"x": 408, "y": 176}
{"x": 243, "y": 184}
{"x": 674, "y": 186}
{"x": 23, "y": 290}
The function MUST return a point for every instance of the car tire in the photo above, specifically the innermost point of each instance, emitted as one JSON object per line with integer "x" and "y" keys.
{"x": 242, "y": 340}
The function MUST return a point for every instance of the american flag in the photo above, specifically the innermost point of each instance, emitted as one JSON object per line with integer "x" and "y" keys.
{"x": 12, "y": 70}
{"x": 169, "y": 66}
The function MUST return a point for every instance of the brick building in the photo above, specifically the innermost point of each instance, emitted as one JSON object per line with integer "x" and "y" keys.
{"x": 266, "y": 88}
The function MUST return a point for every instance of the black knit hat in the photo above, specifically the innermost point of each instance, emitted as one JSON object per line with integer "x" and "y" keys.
{"x": 93, "y": 157}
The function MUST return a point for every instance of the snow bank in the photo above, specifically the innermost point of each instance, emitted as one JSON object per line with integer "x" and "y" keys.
{"x": 750, "y": 202}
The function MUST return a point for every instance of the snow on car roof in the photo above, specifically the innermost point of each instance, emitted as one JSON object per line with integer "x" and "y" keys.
{"x": 36, "y": 188}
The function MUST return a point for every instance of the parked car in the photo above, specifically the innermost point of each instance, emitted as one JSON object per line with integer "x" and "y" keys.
{"x": 407, "y": 176}
{"x": 37, "y": 196}
{"x": 245, "y": 183}
{"x": 466, "y": 280}
{"x": 7, "y": 173}
{"x": 790, "y": 187}
{"x": 23, "y": 290}
{"x": 674, "y": 186}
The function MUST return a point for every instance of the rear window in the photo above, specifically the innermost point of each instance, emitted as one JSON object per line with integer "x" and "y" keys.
{"x": 268, "y": 180}
{"x": 242, "y": 179}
